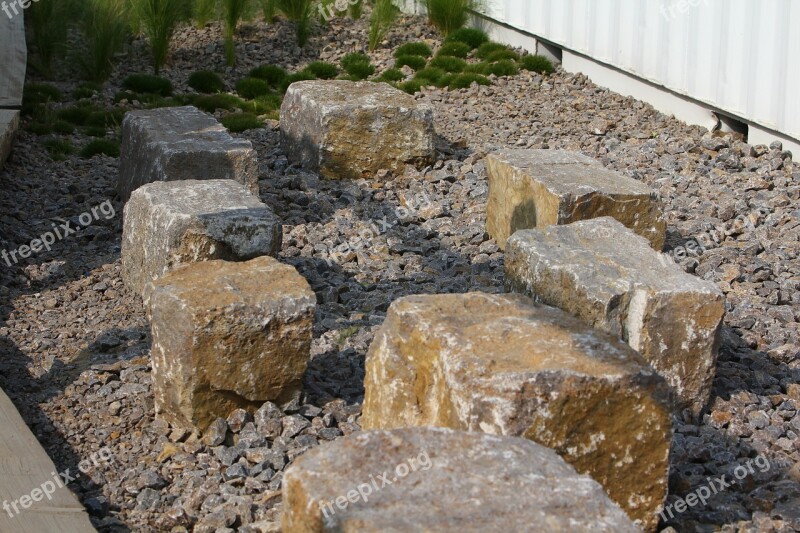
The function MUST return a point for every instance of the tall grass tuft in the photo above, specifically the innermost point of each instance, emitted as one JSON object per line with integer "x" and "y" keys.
{"x": 159, "y": 19}
{"x": 48, "y": 22}
{"x": 301, "y": 12}
{"x": 203, "y": 12}
{"x": 105, "y": 27}
{"x": 356, "y": 9}
{"x": 449, "y": 15}
{"x": 270, "y": 10}
{"x": 384, "y": 14}
{"x": 233, "y": 11}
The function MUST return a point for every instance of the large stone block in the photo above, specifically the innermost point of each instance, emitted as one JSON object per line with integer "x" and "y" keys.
{"x": 9, "y": 122}
{"x": 538, "y": 188}
{"x": 227, "y": 336}
{"x": 506, "y": 366}
{"x": 343, "y": 129}
{"x": 181, "y": 143}
{"x": 609, "y": 277}
{"x": 441, "y": 480}
{"x": 170, "y": 224}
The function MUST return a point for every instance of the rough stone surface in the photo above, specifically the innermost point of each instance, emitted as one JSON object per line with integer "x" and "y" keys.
{"x": 603, "y": 273}
{"x": 344, "y": 129}
{"x": 227, "y": 336}
{"x": 538, "y": 188}
{"x": 503, "y": 365}
{"x": 456, "y": 481}
{"x": 181, "y": 143}
{"x": 9, "y": 122}
{"x": 170, "y": 224}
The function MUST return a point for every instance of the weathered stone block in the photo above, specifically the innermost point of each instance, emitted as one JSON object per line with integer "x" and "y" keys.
{"x": 227, "y": 336}
{"x": 609, "y": 277}
{"x": 170, "y": 224}
{"x": 504, "y": 365}
{"x": 441, "y": 480}
{"x": 181, "y": 143}
{"x": 9, "y": 122}
{"x": 538, "y": 188}
{"x": 343, "y": 129}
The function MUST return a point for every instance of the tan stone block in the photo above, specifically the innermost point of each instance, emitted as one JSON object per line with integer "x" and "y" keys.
{"x": 503, "y": 365}
{"x": 538, "y": 188}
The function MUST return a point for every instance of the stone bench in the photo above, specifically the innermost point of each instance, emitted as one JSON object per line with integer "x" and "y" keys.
{"x": 170, "y": 224}
{"x": 503, "y": 365}
{"x": 227, "y": 336}
{"x": 180, "y": 143}
{"x": 343, "y": 129}
{"x": 608, "y": 276}
{"x": 538, "y": 188}
{"x": 426, "y": 479}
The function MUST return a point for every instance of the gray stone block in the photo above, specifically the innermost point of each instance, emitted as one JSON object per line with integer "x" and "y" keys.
{"x": 343, "y": 129}
{"x": 169, "y": 224}
{"x": 9, "y": 123}
{"x": 181, "y": 143}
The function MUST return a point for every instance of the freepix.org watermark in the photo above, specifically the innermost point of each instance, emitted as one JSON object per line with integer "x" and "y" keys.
{"x": 60, "y": 231}
{"x": 15, "y": 6}
{"x": 104, "y": 456}
{"x": 673, "y": 9}
{"x": 329, "y": 10}
{"x": 702, "y": 494}
{"x": 362, "y": 492}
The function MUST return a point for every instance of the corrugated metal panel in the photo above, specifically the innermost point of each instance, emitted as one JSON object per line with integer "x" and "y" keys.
{"x": 732, "y": 54}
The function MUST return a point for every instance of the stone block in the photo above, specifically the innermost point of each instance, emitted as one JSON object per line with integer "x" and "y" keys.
{"x": 181, "y": 143}
{"x": 538, "y": 188}
{"x": 227, "y": 336}
{"x": 603, "y": 273}
{"x": 442, "y": 480}
{"x": 171, "y": 224}
{"x": 506, "y": 366}
{"x": 342, "y": 129}
{"x": 9, "y": 123}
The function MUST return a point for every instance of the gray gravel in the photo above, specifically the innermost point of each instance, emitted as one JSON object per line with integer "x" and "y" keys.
{"x": 75, "y": 343}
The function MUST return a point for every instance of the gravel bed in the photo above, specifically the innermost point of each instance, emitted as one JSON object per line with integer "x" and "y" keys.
{"x": 74, "y": 343}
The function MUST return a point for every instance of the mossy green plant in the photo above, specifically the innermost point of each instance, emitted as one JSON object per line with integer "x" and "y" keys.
{"x": 431, "y": 74}
{"x": 272, "y": 74}
{"x": 448, "y": 64}
{"x": 106, "y": 147}
{"x": 413, "y": 49}
{"x": 537, "y": 63}
{"x": 505, "y": 67}
{"x": 206, "y": 82}
{"x": 489, "y": 48}
{"x": 78, "y": 114}
{"x": 292, "y": 78}
{"x": 94, "y": 131}
{"x": 411, "y": 86}
{"x": 501, "y": 55}
{"x": 322, "y": 70}
{"x": 211, "y": 102}
{"x": 250, "y": 88}
{"x": 238, "y": 122}
{"x": 263, "y": 105}
{"x": 450, "y": 15}
{"x": 58, "y": 149}
{"x": 413, "y": 62}
{"x": 470, "y": 36}
{"x": 63, "y": 127}
{"x": 391, "y": 75}
{"x": 464, "y": 81}
{"x": 147, "y": 83}
{"x": 454, "y": 49}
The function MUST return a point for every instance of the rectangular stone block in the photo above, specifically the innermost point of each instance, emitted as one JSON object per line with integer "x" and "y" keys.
{"x": 506, "y": 366}
{"x": 603, "y": 273}
{"x": 538, "y": 188}
{"x": 342, "y": 129}
{"x": 171, "y": 224}
{"x": 442, "y": 480}
{"x": 227, "y": 336}
{"x": 9, "y": 123}
{"x": 181, "y": 143}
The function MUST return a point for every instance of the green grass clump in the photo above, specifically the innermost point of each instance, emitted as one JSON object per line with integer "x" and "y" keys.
{"x": 413, "y": 49}
{"x": 77, "y": 115}
{"x": 94, "y": 131}
{"x": 165, "y": 102}
{"x": 449, "y": 15}
{"x": 505, "y": 67}
{"x": 250, "y": 88}
{"x": 357, "y": 65}
{"x": 158, "y": 20}
{"x": 86, "y": 90}
{"x": 212, "y": 102}
{"x": 301, "y": 13}
{"x": 354, "y": 58}
{"x": 297, "y": 76}
{"x": 272, "y": 74}
{"x": 488, "y": 48}
{"x": 477, "y": 68}
{"x": 40, "y": 93}
{"x": 270, "y": 10}
{"x": 59, "y": 148}
{"x": 105, "y": 29}
{"x": 101, "y": 147}
{"x": 445, "y": 80}
{"x": 203, "y": 12}
{"x": 448, "y": 63}
{"x": 146, "y": 83}
{"x": 107, "y": 119}
{"x": 207, "y": 82}
{"x": 431, "y": 74}
{"x": 63, "y": 127}
{"x": 384, "y": 14}
{"x": 414, "y": 62}
{"x": 391, "y": 75}
{"x": 537, "y": 63}
{"x": 232, "y": 13}
{"x": 48, "y": 23}
{"x": 238, "y": 122}
{"x": 454, "y": 49}
{"x": 323, "y": 70}
{"x": 463, "y": 81}
{"x": 263, "y": 105}
{"x": 412, "y": 86}
{"x": 501, "y": 55}
{"x": 40, "y": 128}
{"x": 470, "y": 36}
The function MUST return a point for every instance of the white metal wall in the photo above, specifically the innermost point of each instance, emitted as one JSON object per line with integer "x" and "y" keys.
{"x": 740, "y": 56}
